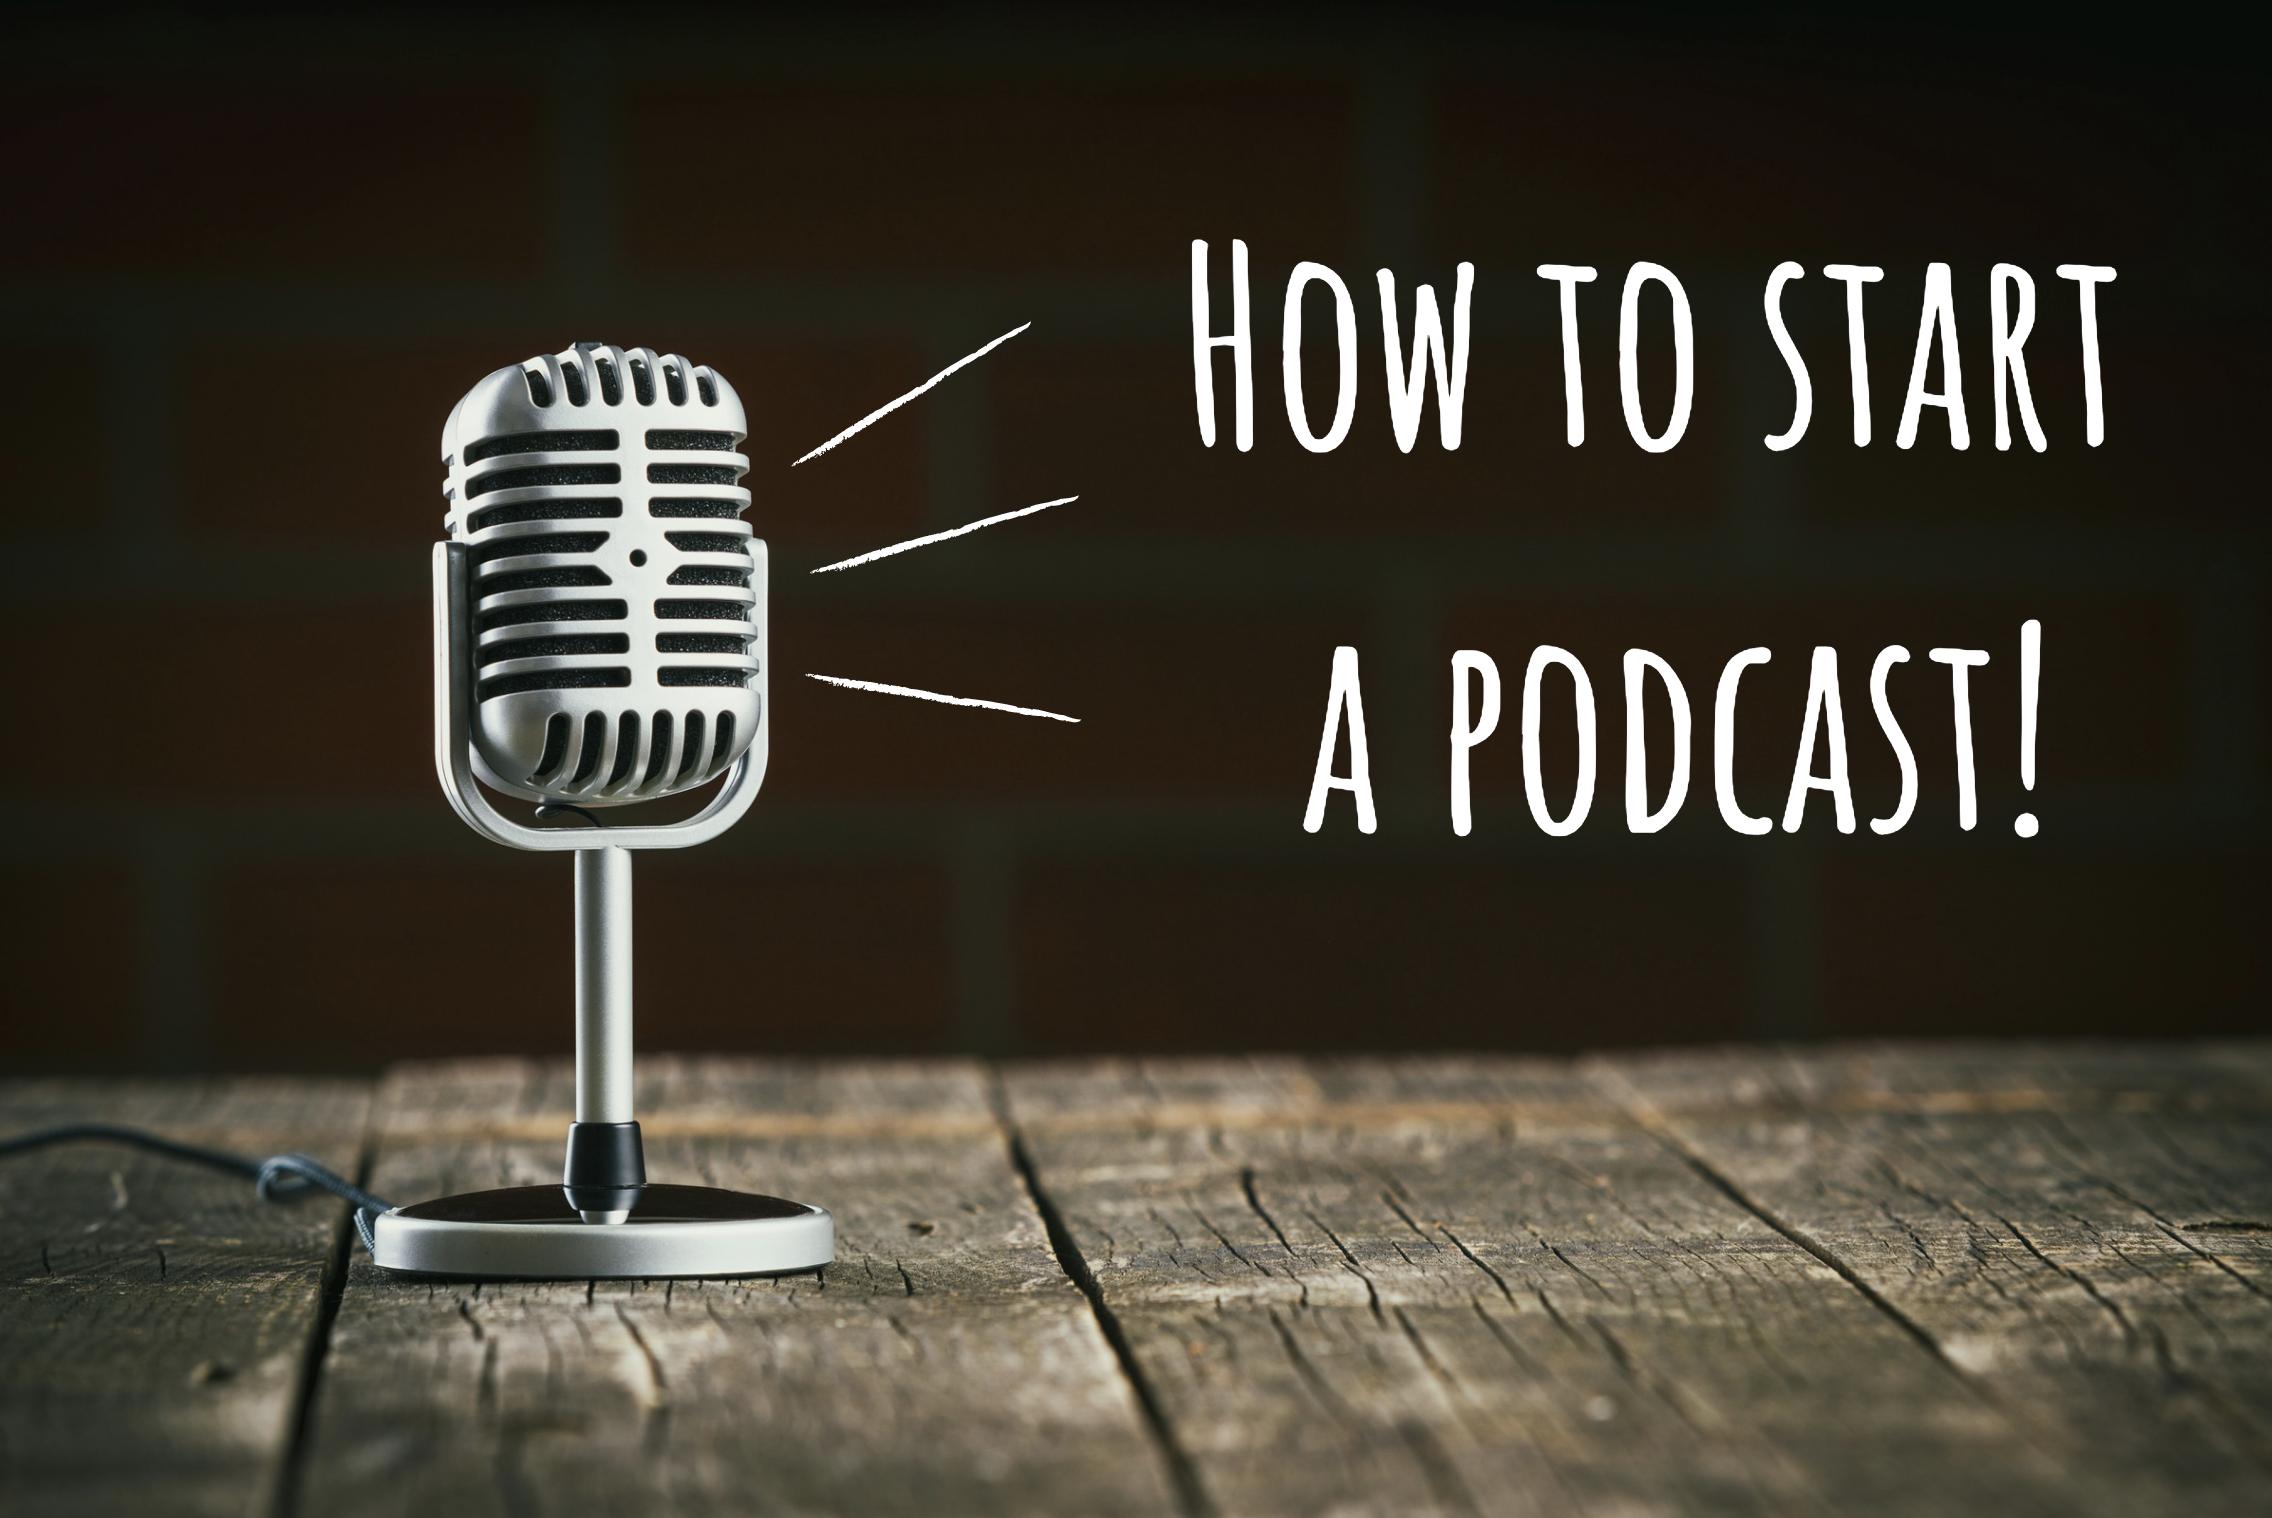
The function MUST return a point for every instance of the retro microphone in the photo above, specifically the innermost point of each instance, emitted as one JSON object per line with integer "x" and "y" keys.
{"x": 600, "y": 639}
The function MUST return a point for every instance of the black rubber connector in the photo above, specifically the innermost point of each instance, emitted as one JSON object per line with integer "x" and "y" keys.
{"x": 606, "y": 1169}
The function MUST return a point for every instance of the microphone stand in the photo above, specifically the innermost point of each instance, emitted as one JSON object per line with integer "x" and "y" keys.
{"x": 606, "y": 1164}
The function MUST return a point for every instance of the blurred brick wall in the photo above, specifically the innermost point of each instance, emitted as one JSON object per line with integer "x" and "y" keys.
{"x": 251, "y": 264}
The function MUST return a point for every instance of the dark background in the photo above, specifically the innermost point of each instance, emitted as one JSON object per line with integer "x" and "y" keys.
{"x": 250, "y": 261}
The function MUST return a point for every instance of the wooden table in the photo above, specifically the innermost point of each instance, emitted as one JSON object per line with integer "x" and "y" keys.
{"x": 1884, "y": 1279}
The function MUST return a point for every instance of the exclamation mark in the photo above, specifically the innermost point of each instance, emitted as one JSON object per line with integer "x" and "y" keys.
{"x": 2031, "y": 677}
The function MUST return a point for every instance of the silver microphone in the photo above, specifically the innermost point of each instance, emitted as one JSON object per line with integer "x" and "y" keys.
{"x": 599, "y": 639}
{"x": 618, "y": 597}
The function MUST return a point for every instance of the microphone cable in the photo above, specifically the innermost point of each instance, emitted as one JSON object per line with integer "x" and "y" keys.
{"x": 279, "y": 1178}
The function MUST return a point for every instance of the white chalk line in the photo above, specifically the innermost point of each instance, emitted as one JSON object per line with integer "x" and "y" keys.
{"x": 932, "y": 695}
{"x": 882, "y": 412}
{"x": 941, "y": 537}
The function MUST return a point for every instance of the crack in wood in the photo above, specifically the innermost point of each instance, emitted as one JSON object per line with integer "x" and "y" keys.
{"x": 1372, "y": 1291}
{"x": 1183, "y": 1473}
{"x": 1475, "y": 1260}
{"x": 308, "y": 1379}
{"x": 2121, "y": 1318}
{"x": 1651, "y": 1122}
{"x": 1246, "y": 1185}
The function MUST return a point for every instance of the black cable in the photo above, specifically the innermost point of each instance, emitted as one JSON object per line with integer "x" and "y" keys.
{"x": 279, "y": 1178}
{"x": 554, "y": 808}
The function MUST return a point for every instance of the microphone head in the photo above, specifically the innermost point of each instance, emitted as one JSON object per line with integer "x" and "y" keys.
{"x": 618, "y": 598}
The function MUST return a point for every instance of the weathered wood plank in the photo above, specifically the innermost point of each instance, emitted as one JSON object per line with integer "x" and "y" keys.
{"x": 2081, "y": 1232}
{"x": 1477, "y": 1286}
{"x": 943, "y": 1365}
{"x": 155, "y": 1317}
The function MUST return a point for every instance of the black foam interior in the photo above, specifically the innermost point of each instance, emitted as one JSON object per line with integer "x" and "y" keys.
{"x": 693, "y": 474}
{"x": 552, "y": 611}
{"x": 708, "y": 542}
{"x": 596, "y": 441}
{"x": 685, "y": 674}
{"x": 680, "y": 437}
{"x": 555, "y": 745}
{"x": 626, "y": 747}
{"x": 595, "y": 735}
{"x": 568, "y": 509}
{"x": 559, "y": 645}
{"x": 693, "y": 506}
{"x": 543, "y": 474}
{"x": 555, "y": 679}
{"x": 702, "y": 643}
{"x": 691, "y": 759}
{"x": 542, "y": 579}
{"x": 702, "y": 611}
{"x": 708, "y": 574}
{"x": 659, "y": 751}
{"x": 535, "y": 543}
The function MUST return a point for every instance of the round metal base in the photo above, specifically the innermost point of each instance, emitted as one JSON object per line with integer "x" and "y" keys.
{"x": 531, "y": 1233}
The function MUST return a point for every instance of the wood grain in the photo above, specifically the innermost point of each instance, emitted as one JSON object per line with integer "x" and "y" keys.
{"x": 156, "y": 1317}
{"x": 1859, "y": 1280}
{"x": 944, "y": 1364}
{"x": 1346, "y": 1301}
{"x": 2081, "y": 1232}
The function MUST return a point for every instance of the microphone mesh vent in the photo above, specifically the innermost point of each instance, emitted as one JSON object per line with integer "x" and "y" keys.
{"x": 702, "y": 611}
{"x": 595, "y": 737}
{"x": 681, "y": 474}
{"x": 626, "y": 747}
{"x": 555, "y": 679}
{"x": 699, "y": 674}
{"x": 555, "y": 747}
{"x": 551, "y": 611}
{"x": 708, "y": 574}
{"x": 665, "y": 507}
{"x": 708, "y": 542}
{"x": 549, "y": 542}
{"x": 660, "y": 752}
{"x": 542, "y": 579}
{"x": 598, "y": 441}
{"x": 544, "y": 474}
{"x": 575, "y": 508}
{"x": 701, "y": 643}
{"x": 554, "y": 647}
{"x": 692, "y": 757}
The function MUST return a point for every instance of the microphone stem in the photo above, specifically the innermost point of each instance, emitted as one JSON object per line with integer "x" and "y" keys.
{"x": 603, "y": 985}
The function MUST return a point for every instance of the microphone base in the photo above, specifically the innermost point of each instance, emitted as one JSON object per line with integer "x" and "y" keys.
{"x": 530, "y": 1233}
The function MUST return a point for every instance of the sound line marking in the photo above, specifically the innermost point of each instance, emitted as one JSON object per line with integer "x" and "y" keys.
{"x": 941, "y": 537}
{"x": 882, "y": 412}
{"x": 932, "y": 695}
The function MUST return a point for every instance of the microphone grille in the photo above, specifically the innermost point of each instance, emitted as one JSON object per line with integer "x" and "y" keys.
{"x": 577, "y": 480}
